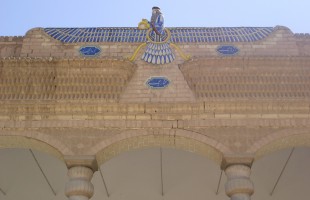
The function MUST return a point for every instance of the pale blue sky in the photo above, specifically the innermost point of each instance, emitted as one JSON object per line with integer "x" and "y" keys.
{"x": 18, "y": 16}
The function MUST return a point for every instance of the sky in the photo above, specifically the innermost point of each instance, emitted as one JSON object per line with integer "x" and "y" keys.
{"x": 19, "y": 16}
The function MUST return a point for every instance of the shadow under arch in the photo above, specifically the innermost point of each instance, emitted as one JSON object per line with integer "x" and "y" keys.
{"x": 180, "y": 139}
{"x": 284, "y": 142}
{"x": 7, "y": 142}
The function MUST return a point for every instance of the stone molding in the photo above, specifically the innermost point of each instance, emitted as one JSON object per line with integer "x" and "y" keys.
{"x": 104, "y": 110}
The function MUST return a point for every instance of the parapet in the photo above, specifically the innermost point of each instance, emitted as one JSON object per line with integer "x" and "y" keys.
{"x": 10, "y": 46}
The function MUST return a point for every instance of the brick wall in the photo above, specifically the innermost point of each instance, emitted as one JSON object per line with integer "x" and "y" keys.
{"x": 138, "y": 91}
{"x": 76, "y": 105}
{"x": 59, "y": 79}
{"x": 245, "y": 78}
{"x": 303, "y": 43}
{"x": 10, "y": 46}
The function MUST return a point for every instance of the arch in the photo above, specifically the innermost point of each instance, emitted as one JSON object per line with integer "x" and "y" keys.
{"x": 278, "y": 141}
{"x": 23, "y": 142}
{"x": 178, "y": 139}
{"x": 49, "y": 139}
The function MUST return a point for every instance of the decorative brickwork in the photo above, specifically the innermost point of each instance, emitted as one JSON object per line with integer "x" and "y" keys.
{"x": 249, "y": 78}
{"x": 49, "y": 79}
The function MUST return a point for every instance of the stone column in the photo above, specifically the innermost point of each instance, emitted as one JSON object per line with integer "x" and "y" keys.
{"x": 79, "y": 186}
{"x": 239, "y": 186}
{"x": 81, "y": 170}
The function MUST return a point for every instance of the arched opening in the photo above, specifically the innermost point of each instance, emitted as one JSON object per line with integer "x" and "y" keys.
{"x": 153, "y": 166}
{"x": 281, "y": 169}
{"x": 31, "y": 174}
{"x": 159, "y": 172}
{"x": 297, "y": 140}
{"x": 282, "y": 174}
{"x": 30, "y": 169}
{"x": 147, "y": 141}
{"x": 183, "y": 140}
{"x": 29, "y": 143}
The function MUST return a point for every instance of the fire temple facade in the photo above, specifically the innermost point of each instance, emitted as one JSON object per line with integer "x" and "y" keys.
{"x": 87, "y": 96}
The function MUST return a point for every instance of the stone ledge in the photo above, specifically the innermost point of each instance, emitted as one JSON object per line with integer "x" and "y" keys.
{"x": 121, "y": 123}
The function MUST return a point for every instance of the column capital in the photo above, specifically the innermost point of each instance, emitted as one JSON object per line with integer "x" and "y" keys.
{"x": 85, "y": 161}
{"x": 232, "y": 159}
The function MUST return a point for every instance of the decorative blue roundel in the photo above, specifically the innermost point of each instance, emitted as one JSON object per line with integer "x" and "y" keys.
{"x": 227, "y": 50}
{"x": 89, "y": 51}
{"x": 157, "y": 82}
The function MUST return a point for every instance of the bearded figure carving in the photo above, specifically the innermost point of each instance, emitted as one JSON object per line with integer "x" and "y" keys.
{"x": 157, "y": 22}
{"x": 158, "y": 49}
